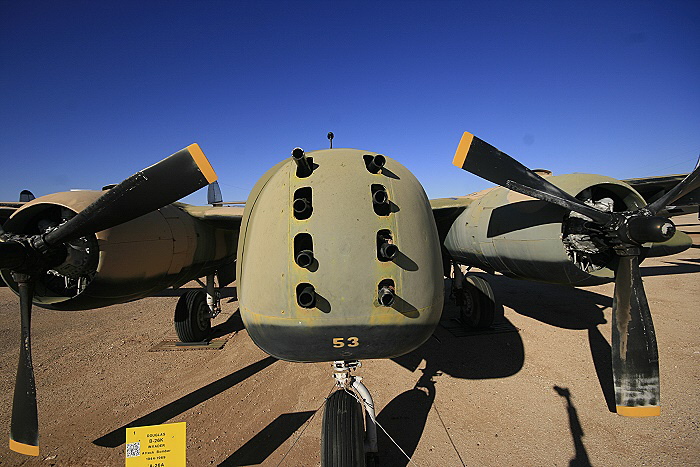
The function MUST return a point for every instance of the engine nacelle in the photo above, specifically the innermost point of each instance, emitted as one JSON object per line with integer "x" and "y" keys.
{"x": 339, "y": 259}
{"x": 520, "y": 236}
{"x": 164, "y": 248}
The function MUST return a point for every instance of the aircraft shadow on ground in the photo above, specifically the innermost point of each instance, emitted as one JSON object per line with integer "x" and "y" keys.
{"x": 490, "y": 355}
{"x": 404, "y": 419}
{"x": 672, "y": 267}
{"x": 117, "y": 437}
{"x": 234, "y": 323}
{"x": 568, "y": 308}
{"x": 480, "y": 356}
{"x": 494, "y": 356}
{"x": 260, "y": 446}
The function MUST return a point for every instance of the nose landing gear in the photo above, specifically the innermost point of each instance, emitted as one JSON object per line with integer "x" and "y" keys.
{"x": 346, "y": 439}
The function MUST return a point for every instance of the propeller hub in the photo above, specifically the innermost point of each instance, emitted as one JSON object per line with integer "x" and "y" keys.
{"x": 642, "y": 229}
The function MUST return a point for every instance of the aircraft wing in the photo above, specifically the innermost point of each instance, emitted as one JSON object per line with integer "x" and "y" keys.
{"x": 223, "y": 217}
{"x": 446, "y": 210}
{"x": 653, "y": 188}
{"x": 7, "y": 208}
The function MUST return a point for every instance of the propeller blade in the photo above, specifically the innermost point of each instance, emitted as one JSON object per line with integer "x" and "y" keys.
{"x": 595, "y": 214}
{"x": 635, "y": 356}
{"x": 152, "y": 188}
{"x": 688, "y": 184}
{"x": 24, "y": 430}
{"x": 214, "y": 194}
{"x": 480, "y": 158}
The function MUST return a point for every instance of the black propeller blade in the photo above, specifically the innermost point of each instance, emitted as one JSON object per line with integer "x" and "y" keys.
{"x": 24, "y": 428}
{"x": 480, "y": 158}
{"x": 688, "y": 184}
{"x": 598, "y": 216}
{"x": 154, "y": 187}
{"x": 634, "y": 350}
{"x": 29, "y": 256}
{"x": 635, "y": 357}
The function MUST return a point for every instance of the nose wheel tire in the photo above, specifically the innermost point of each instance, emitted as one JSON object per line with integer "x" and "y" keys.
{"x": 479, "y": 307}
{"x": 343, "y": 433}
{"x": 192, "y": 322}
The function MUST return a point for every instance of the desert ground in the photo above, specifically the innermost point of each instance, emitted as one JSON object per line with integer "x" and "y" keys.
{"x": 538, "y": 393}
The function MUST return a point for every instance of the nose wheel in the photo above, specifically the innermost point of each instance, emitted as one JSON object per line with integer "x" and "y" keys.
{"x": 349, "y": 432}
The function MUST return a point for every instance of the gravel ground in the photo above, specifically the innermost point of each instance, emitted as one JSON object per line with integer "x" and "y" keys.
{"x": 537, "y": 395}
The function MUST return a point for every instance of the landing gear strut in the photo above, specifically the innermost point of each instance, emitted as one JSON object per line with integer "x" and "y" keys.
{"x": 195, "y": 310}
{"x": 346, "y": 440}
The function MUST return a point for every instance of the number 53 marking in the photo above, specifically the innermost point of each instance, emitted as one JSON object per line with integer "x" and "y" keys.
{"x": 339, "y": 342}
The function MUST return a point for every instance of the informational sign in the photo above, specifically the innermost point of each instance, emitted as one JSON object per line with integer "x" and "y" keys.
{"x": 156, "y": 445}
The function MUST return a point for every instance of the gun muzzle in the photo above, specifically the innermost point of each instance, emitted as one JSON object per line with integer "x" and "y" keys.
{"x": 387, "y": 251}
{"x": 380, "y": 197}
{"x": 387, "y": 295}
{"x": 304, "y": 167}
{"x": 306, "y": 296}
{"x": 375, "y": 163}
{"x": 304, "y": 258}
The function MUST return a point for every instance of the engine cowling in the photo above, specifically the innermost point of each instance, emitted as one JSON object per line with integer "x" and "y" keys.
{"x": 519, "y": 236}
{"x": 163, "y": 248}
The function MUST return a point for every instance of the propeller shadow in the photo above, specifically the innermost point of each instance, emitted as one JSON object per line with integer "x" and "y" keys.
{"x": 550, "y": 304}
{"x": 257, "y": 449}
{"x": 117, "y": 437}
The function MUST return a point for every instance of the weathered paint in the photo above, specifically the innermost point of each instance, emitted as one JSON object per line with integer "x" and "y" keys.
{"x": 346, "y": 271}
{"x": 163, "y": 248}
{"x": 519, "y": 236}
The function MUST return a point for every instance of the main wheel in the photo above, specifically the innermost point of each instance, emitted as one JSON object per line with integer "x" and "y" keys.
{"x": 343, "y": 432}
{"x": 192, "y": 322}
{"x": 479, "y": 308}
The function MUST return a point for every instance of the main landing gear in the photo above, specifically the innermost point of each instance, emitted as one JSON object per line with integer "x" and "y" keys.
{"x": 349, "y": 433}
{"x": 195, "y": 310}
{"x": 474, "y": 296}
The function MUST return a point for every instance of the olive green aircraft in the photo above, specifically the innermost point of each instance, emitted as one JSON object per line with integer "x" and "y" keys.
{"x": 339, "y": 256}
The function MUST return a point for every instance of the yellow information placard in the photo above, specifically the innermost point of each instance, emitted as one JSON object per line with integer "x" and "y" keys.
{"x": 156, "y": 445}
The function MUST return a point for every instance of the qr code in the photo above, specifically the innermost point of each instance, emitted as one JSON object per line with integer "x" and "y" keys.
{"x": 133, "y": 449}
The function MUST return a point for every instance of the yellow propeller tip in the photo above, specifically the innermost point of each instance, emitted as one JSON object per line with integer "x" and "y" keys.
{"x": 202, "y": 162}
{"x": 26, "y": 449}
{"x": 646, "y": 411}
{"x": 463, "y": 149}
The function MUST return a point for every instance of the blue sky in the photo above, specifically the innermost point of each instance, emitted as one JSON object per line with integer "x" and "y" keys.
{"x": 94, "y": 91}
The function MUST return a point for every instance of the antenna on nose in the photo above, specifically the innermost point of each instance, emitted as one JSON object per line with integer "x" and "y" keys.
{"x": 330, "y": 138}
